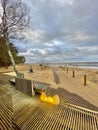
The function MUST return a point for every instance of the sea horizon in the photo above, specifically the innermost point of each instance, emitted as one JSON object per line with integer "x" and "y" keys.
{"x": 92, "y": 65}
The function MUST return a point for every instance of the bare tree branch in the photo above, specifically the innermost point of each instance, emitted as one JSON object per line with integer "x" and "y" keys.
{"x": 14, "y": 17}
{"x": 17, "y": 16}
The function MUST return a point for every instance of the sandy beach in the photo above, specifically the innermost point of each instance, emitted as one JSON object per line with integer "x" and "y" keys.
{"x": 66, "y": 80}
{"x": 78, "y": 103}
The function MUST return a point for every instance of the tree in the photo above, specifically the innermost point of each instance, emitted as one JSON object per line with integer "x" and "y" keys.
{"x": 4, "y": 57}
{"x": 13, "y": 19}
{"x": 18, "y": 59}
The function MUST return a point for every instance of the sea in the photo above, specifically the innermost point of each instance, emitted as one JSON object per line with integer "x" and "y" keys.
{"x": 92, "y": 65}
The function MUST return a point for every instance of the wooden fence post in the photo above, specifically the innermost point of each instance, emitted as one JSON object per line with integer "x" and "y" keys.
{"x": 85, "y": 80}
{"x": 67, "y": 70}
{"x": 73, "y": 73}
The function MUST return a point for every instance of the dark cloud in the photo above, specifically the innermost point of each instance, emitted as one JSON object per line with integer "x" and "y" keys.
{"x": 73, "y": 23}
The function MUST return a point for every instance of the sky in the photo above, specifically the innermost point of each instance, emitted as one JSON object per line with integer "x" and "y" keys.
{"x": 61, "y": 31}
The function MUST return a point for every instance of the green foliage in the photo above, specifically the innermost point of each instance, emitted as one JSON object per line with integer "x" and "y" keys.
{"x": 4, "y": 57}
{"x": 19, "y": 59}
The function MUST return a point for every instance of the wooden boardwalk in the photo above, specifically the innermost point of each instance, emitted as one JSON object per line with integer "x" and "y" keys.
{"x": 56, "y": 77}
{"x": 75, "y": 99}
{"x": 22, "y": 112}
{"x": 31, "y": 114}
{"x": 6, "y": 110}
{"x": 63, "y": 117}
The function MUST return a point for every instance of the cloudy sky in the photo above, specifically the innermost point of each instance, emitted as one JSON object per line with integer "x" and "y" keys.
{"x": 61, "y": 31}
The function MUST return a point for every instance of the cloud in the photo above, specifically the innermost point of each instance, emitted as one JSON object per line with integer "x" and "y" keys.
{"x": 69, "y": 54}
{"x": 63, "y": 28}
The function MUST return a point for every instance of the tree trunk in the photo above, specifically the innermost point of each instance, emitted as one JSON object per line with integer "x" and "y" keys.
{"x": 5, "y": 34}
{"x": 6, "y": 65}
{"x": 11, "y": 58}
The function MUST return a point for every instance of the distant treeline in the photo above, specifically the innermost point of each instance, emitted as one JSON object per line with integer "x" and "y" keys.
{"x": 4, "y": 57}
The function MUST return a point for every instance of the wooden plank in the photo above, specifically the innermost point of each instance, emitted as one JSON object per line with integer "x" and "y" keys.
{"x": 24, "y": 85}
{"x": 6, "y": 113}
{"x": 40, "y": 86}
